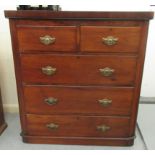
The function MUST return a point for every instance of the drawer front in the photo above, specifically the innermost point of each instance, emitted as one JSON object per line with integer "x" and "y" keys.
{"x": 49, "y": 39}
{"x": 79, "y": 100}
{"x": 84, "y": 70}
{"x": 77, "y": 126}
{"x": 110, "y": 39}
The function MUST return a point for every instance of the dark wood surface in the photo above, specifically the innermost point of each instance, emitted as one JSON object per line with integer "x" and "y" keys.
{"x": 79, "y": 70}
{"x": 65, "y": 38}
{"x": 78, "y": 82}
{"x": 81, "y": 100}
{"x": 3, "y": 125}
{"x": 79, "y": 140}
{"x": 74, "y": 15}
{"x": 91, "y": 38}
{"x": 77, "y": 126}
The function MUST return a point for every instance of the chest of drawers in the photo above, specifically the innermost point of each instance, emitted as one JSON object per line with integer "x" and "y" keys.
{"x": 78, "y": 74}
{"x": 3, "y": 125}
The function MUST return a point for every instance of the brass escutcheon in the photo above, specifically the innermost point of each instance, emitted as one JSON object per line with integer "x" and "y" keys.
{"x": 105, "y": 102}
{"x": 47, "y": 40}
{"x": 103, "y": 128}
{"x": 51, "y": 101}
{"x": 110, "y": 40}
{"x": 48, "y": 70}
{"x": 52, "y": 126}
{"x": 106, "y": 71}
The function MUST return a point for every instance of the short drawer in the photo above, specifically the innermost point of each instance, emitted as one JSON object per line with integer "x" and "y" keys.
{"x": 56, "y": 38}
{"x": 110, "y": 39}
{"x": 78, "y": 70}
{"x": 77, "y": 126}
{"x": 78, "y": 100}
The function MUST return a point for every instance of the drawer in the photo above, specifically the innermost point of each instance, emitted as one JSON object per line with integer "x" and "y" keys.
{"x": 77, "y": 126}
{"x": 78, "y": 100}
{"x": 110, "y": 39}
{"x": 81, "y": 70}
{"x": 56, "y": 38}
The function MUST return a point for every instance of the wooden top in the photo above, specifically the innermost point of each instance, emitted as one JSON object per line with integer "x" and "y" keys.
{"x": 44, "y": 14}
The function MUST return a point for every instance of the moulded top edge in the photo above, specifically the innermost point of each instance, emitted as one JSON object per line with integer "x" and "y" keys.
{"x": 46, "y": 14}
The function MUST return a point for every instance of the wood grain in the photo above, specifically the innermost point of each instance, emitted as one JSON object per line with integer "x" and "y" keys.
{"x": 78, "y": 70}
{"x": 78, "y": 82}
{"x": 77, "y": 126}
{"x": 128, "y": 38}
{"x": 65, "y": 38}
{"x": 78, "y": 100}
{"x": 43, "y": 14}
{"x": 79, "y": 140}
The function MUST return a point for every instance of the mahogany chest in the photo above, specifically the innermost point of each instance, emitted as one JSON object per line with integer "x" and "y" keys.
{"x": 78, "y": 74}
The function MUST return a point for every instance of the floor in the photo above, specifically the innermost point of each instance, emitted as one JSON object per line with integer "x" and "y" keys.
{"x": 11, "y": 140}
{"x": 146, "y": 121}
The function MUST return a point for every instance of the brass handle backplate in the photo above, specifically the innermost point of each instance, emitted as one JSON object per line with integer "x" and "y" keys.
{"x": 52, "y": 126}
{"x": 105, "y": 102}
{"x": 110, "y": 40}
{"x": 103, "y": 128}
{"x": 106, "y": 71}
{"x": 46, "y": 40}
{"x": 48, "y": 70}
{"x": 51, "y": 101}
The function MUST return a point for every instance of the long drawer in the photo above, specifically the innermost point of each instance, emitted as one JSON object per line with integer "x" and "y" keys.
{"x": 78, "y": 100}
{"x": 78, "y": 69}
{"x": 110, "y": 39}
{"x": 77, "y": 126}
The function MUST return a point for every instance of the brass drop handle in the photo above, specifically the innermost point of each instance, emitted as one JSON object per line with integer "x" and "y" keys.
{"x": 110, "y": 40}
{"x": 52, "y": 126}
{"x": 48, "y": 70}
{"x": 47, "y": 40}
{"x": 103, "y": 128}
{"x": 106, "y": 71}
{"x": 51, "y": 101}
{"x": 105, "y": 102}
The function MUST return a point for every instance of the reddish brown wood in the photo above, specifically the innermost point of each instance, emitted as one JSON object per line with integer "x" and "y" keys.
{"x": 78, "y": 140}
{"x": 3, "y": 125}
{"x": 81, "y": 100}
{"x": 77, "y": 126}
{"x": 77, "y": 82}
{"x": 79, "y": 70}
{"x": 17, "y": 66}
{"x": 91, "y": 38}
{"x": 78, "y": 23}
{"x": 79, "y": 15}
{"x": 139, "y": 75}
{"x": 65, "y": 38}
